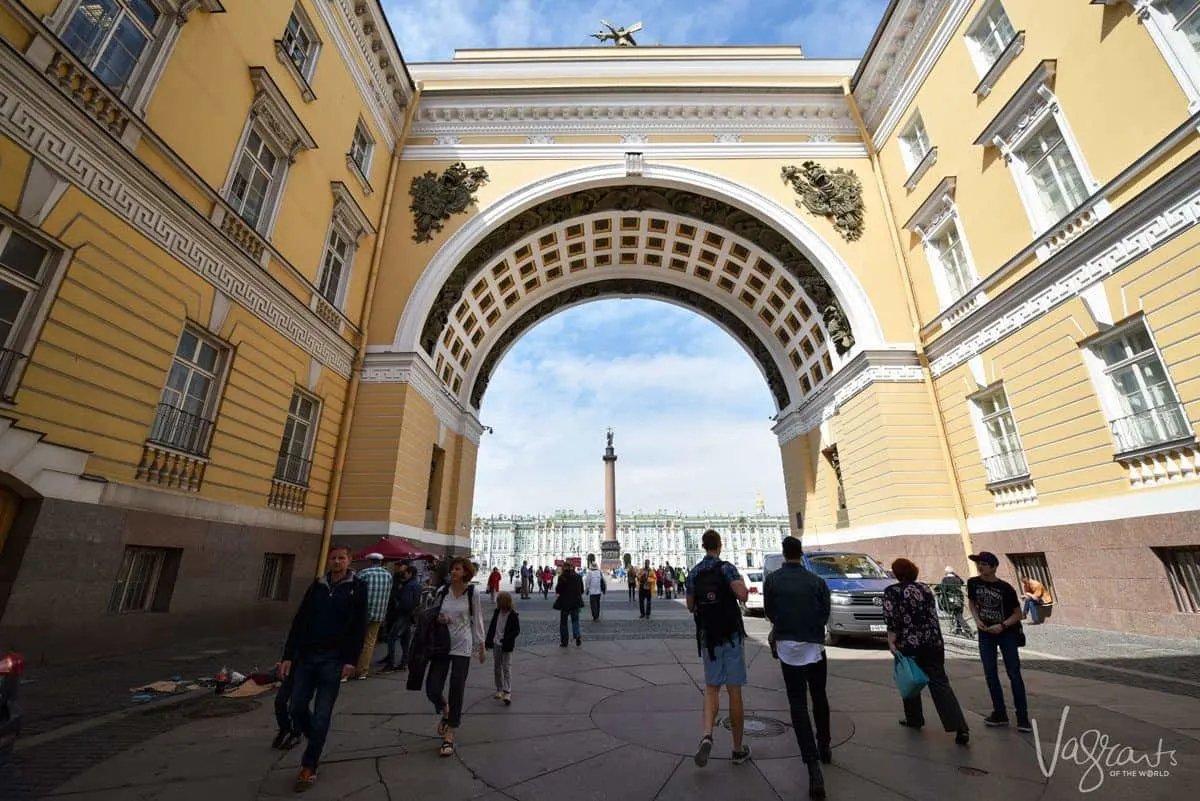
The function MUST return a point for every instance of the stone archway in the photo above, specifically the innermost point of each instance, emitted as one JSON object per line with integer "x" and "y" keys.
{"x": 679, "y": 234}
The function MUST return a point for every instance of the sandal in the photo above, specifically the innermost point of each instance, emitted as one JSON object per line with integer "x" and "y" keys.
{"x": 447, "y": 748}
{"x": 443, "y": 727}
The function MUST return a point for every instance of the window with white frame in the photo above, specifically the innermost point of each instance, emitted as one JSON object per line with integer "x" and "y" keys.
{"x": 1050, "y": 171}
{"x": 339, "y": 253}
{"x": 914, "y": 142}
{"x": 111, "y": 37}
{"x": 361, "y": 148}
{"x": 295, "y": 450}
{"x": 185, "y": 410}
{"x": 947, "y": 251}
{"x": 1174, "y": 25}
{"x": 25, "y": 271}
{"x": 1136, "y": 390}
{"x": 989, "y": 36}
{"x": 255, "y": 180}
{"x": 300, "y": 42}
{"x": 1003, "y": 456}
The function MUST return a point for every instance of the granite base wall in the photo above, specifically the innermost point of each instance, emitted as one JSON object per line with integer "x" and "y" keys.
{"x": 59, "y": 568}
{"x": 1105, "y": 573}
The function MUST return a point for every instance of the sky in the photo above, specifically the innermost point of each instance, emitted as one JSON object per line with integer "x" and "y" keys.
{"x": 689, "y": 408}
{"x": 430, "y": 30}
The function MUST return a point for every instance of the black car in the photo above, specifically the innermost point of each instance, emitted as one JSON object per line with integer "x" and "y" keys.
{"x": 11, "y": 666}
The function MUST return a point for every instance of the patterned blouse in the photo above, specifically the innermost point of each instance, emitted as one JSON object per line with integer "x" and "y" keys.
{"x": 910, "y": 612}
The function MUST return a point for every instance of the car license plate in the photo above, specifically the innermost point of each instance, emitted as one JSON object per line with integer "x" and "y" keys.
{"x": 878, "y": 628}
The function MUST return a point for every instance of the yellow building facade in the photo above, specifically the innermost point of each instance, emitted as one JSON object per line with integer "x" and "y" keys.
{"x": 259, "y": 271}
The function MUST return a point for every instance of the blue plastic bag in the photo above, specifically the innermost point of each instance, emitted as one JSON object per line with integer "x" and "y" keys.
{"x": 909, "y": 677}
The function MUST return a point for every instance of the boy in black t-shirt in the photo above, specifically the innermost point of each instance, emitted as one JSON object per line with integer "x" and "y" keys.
{"x": 997, "y": 614}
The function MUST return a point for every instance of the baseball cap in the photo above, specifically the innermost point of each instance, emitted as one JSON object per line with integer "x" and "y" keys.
{"x": 375, "y": 557}
{"x": 985, "y": 557}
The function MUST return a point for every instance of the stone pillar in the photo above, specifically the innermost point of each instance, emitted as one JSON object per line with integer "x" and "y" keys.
{"x": 610, "y": 549}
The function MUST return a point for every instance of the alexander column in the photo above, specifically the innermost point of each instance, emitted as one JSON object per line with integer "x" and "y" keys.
{"x": 610, "y": 549}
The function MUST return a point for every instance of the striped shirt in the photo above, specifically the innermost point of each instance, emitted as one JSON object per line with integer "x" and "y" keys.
{"x": 379, "y": 589}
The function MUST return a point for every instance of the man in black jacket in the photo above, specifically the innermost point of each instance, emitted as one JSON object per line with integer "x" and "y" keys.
{"x": 797, "y": 602}
{"x": 406, "y": 596}
{"x": 570, "y": 599}
{"x": 322, "y": 650}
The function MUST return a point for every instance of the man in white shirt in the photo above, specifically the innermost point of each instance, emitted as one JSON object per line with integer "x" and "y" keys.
{"x": 593, "y": 585}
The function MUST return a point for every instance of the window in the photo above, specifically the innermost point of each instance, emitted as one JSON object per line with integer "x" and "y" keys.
{"x": 1183, "y": 574}
{"x": 1003, "y": 456}
{"x": 23, "y": 272}
{"x": 338, "y": 254}
{"x": 914, "y": 143}
{"x": 184, "y": 414}
{"x": 1174, "y": 25}
{"x": 989, "y": 36}
{"x": 946, "y": 248}
{"x": 294, "y": 463}
{"x": 361, "y": 148}
{"x": 110, "y": 36}
{"x": 1033, "y": 566}
{"x": 146, "y": 580}
{"x": 276, "y": 576}
{"x": 1137, "y": 392}
{"x": 1051, "y": 172}
{"x": 253, "y": 182}
{"x": 299, "y": 43}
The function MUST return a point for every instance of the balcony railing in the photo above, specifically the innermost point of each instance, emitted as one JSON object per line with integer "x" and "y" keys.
{"x": 1156, "y": 426}
{"x": 1005, "y": 465}
{"x": 10, "y": 361}
{"x": 292, "y": 469}
{"x": 175, "y": 428}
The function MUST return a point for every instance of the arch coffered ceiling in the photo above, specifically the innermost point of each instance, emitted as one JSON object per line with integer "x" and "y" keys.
{"x": 680, "y": 246}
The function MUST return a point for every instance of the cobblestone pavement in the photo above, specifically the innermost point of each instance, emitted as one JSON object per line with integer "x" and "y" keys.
{"x": 619, "y": 718}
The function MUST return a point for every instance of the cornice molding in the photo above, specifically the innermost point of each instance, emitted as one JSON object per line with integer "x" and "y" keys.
{"x": 651, "y": 150}
{"x": 279, "y": 121}
{"x": 590, "y": 112}
{"x": 935, "y": 208}
{"x": 1023, "y": 109}
{"x": 390, "y": 82}
{"x": 47, "y": 124}
{"x": 347, "y": 214}
{"x": 414, "y": 369}
{"x": 866, "y": 368}
{"x": 892, "y": 58}
{"x": 1157, "y": 215}
{"x": 792, "y": 70}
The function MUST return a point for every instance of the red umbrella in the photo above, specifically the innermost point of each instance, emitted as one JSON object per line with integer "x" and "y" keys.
{"x": 395, "y": 548}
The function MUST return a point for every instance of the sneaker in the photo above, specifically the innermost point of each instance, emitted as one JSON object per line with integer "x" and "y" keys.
{"x": 963, "y": 737}
{"x": 507, "y": 699}
{"x": 816, "y": 781}
{"x": 701, "y": 758}
{"x": 306, "y": 779}
{"x": 996, "y": 719}
{"x": 1023, "y": 723}
{"x": 498, "y": 696}
{"x": 578, "y": 642}
{"x": 743, "y": 756}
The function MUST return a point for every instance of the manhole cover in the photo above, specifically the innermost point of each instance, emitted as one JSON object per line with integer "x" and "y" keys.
{"x": 756, "y": 726}
{"x": 964, "y": 770}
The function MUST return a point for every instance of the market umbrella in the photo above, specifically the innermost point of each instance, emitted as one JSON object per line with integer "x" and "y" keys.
{"x": 395, "y": 548}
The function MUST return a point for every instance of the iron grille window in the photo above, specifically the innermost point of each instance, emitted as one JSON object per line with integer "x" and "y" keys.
{"x": 294, "y": 464}
{"x": 1148, "y": 408}
{"x": 22, "y": 275}
{"x": 333, "y": 268}
{"x": 1004, "y": 458}
{"x": 1183, "y": 574}
{"x": 145, "y": 581}
{"x": 276, "y": 576}
{"x": 1034, "y": 566}
{"x": 182, "y": 421}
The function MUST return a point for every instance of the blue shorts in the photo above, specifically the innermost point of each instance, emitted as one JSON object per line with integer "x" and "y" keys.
{"x": 729, "y": 668}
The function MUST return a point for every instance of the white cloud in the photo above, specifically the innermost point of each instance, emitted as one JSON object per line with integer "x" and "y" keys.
{"x": 690, "y": 417}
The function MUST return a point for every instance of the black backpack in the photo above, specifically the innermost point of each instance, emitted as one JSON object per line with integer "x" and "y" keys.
{"x": 718, "y": 617}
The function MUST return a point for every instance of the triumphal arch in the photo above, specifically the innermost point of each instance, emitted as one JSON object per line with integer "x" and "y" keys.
{"x": 735, "y": 182}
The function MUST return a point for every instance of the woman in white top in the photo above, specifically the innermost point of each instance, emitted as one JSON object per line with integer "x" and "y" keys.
{"x": 461, "y": 614}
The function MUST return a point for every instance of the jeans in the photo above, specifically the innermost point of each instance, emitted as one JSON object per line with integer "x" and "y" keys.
{"x": 932, "y": 660}
{"x": 1007, "y": 643}
{"x": 502, "y": 670}
{"x": 632, "y": 590}
{"x": 283, "y": 717}
{"x": 563, "y": 614}
{"x": 399, "y": 634}
{"x": 644, "y": 599}
{"x": 802, "y": 681}
{"x": 594, "y": 600}
{"x": 319, "y": 675}
{"x": 1030, "y": 609}
{"x": 456, "y": 668}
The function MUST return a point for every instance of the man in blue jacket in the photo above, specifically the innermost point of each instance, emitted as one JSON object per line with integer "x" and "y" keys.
{"x": 322, "y": 650}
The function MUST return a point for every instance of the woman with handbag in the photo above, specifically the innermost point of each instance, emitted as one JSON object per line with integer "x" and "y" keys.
{"x": 457, "y": 633}
{"x": 910, "y": 612}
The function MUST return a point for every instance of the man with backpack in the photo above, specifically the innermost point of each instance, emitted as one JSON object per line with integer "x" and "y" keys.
{"x": 406, "y": 597}
{"x": 714, "y": 590}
